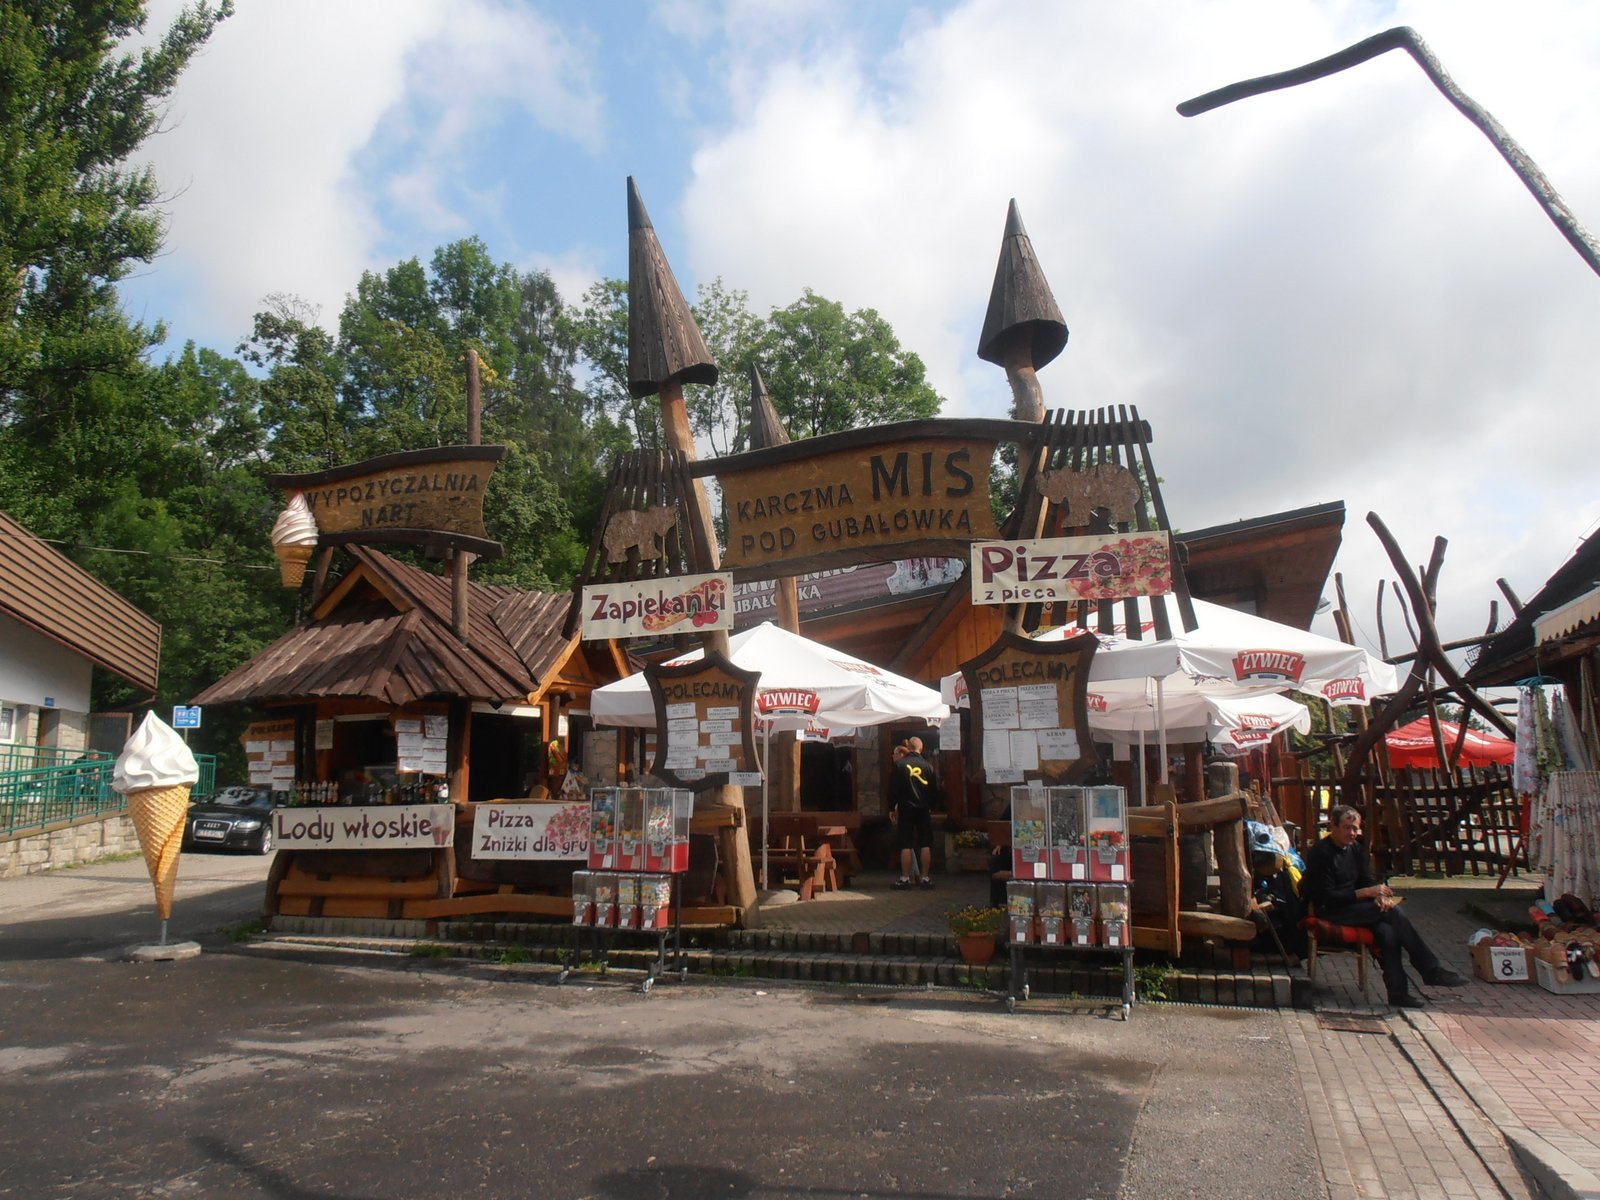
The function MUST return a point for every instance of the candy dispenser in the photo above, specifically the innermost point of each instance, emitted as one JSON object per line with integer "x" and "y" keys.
{"x": 1020, "y": 908}
{"x": 628, "y": 898}
{"x": 1068, "y": 857}
{"x": 655, "y": 900}
{"x": 603, "y": 829}
{"x": 1030, "y": 830}
{"x": 667, "y": 816}
{"x": 1080, "y": 910}
{"x": 630, "y": 829}
{"x": 1107, "y": 817}
{"x": 1113, "y": 901}
{"x": 582, "y": 898}
{"x": 603, "y": 888}
{"x": 1052, "y": 902}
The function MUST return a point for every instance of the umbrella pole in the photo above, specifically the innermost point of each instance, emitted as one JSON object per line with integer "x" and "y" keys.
{"x": 1161, "y": 724}
{"x": 766, "y": 803}
{"x": 1142, "y": 767}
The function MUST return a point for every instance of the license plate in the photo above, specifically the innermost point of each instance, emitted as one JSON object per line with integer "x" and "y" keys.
{"x": 210, "y": 833}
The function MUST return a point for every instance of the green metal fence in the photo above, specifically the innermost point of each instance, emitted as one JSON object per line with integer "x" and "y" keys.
{"x": 43, "y": 786}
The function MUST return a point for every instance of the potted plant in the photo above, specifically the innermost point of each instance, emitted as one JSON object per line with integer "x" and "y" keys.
{"x": 972, "y": 850}
{"x": 975, "y": 929}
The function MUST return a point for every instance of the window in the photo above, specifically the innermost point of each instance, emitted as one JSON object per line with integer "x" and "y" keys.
{"x": 8, "y": 723}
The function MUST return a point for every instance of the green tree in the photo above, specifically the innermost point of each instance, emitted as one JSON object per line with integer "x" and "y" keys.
{"x": 828, "y": 370}
{"x": 75, "y": 213}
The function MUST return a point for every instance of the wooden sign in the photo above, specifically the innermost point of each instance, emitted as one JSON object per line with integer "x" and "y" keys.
{"x": 1030, "y": 711}
{"x": 1111, "y": 566}
{"x": 705, "y": 723}
{"x": 869, "y": 495}
{"x": 269, "y": 754}
{"x": 415, "y": 497}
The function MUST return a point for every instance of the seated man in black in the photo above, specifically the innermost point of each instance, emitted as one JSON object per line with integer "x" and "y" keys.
{"x": 1340, "y": 885}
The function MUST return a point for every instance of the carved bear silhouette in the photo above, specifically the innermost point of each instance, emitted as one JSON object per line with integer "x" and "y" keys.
{"x": 642, "y": 528}
{"x": 1115, "y": 489}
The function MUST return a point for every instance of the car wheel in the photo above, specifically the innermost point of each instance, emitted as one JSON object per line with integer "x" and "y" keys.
{"x": 266, "y": 841}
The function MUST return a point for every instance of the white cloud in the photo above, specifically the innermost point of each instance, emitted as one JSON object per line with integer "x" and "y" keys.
{"x": 1335, "y": 291}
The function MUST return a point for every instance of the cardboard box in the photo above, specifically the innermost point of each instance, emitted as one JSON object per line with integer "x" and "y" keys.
{"x": 1502, "y": 964}
{"x": 1561, "y": 981}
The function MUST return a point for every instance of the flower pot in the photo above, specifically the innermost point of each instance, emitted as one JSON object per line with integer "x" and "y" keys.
{"x": 976, "y": 948}
{"x": 972, "y": 858}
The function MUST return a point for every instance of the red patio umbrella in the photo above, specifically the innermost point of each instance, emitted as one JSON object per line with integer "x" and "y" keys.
{"x": 1411, "y": 745}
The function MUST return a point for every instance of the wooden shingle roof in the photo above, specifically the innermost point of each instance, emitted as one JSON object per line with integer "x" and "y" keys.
{"x": 384, "y": 633}
{"x": 48, "y": 592}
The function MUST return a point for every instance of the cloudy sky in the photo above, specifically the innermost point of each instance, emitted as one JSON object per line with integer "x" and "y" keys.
{"x": 1335, "y": 292}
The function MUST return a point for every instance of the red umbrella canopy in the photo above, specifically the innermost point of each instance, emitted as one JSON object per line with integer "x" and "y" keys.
{"x": 1411, "y": 745}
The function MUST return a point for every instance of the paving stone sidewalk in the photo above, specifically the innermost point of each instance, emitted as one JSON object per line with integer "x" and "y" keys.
{"x": 1524, "y": 1057}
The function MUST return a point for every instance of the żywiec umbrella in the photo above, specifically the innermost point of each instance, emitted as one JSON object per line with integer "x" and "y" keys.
{"x": 803, "y": 685}
{"x": 1411, "y": 745}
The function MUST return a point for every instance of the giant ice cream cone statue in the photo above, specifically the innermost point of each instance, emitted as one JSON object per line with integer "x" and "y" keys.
{"x": 155, "y": 772}
{"x": 294, "y": 537}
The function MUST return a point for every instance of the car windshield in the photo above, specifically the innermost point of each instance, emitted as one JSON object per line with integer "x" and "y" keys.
{"x": 240, "y": 797}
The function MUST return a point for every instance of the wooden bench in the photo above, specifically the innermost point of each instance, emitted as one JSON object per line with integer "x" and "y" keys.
{"x": 833, "y": 830}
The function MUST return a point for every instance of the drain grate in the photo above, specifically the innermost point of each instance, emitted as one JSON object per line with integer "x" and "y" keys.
{"x": 1339, "y": 1022}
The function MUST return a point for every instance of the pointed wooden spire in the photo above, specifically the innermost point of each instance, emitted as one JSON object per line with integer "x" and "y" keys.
{"x": 1023, "y": 329}
{"x": 664, "y": 343}
{"x": 765, "y": 427}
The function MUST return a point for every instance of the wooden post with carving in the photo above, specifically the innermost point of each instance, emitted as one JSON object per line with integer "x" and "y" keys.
{"x": 783, "y": 768}
{"x": 1023, "y": 330}
{"x": 665, "y": 351}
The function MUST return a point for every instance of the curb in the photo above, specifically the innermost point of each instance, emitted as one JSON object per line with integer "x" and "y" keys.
{"x": 1556, "y": 1175}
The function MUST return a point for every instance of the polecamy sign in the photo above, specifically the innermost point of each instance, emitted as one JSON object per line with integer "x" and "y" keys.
{"x": 387, "y": 827}
{"x": 651, "y": 607}
{"x": 1110, "y": 566}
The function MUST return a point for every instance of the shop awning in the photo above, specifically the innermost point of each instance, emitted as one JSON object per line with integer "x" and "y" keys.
{"x": 1568, "y": 617}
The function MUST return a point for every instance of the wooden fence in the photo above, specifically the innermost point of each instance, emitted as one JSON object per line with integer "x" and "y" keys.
{"x": 1419, "y": 822}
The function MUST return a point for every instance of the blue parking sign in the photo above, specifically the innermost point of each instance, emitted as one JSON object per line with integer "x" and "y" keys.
{"x": 185, "y": 716}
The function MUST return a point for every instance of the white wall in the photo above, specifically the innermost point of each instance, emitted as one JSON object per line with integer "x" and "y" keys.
{"x": 33, "y": 667}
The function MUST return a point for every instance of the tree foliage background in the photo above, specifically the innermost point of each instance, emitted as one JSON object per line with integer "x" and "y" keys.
{"x": 151, "y": 474}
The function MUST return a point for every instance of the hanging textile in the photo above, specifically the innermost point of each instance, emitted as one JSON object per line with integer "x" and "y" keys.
{"x": 1572, "y": 835}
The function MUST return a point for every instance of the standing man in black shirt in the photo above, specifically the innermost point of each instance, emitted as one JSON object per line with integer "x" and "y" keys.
{"x": 911, "y": 811}
{"x": 1340, "y": 883}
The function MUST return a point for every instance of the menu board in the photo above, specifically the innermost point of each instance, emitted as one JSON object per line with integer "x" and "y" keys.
{"x": 705, "y": 723}
{"x": 1029, "y": 703}
{"x": 420, "y": 743}
{"x": 269, "y": 754}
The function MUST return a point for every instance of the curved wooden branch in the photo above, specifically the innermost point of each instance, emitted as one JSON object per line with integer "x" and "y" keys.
{"x": 1405, "y": 38}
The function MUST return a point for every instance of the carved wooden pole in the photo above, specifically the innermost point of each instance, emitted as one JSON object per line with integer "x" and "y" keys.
{"x": 461, "y": 559}
{"x": 665, "y": 351}
{"x": 1023, "y": 330}
{"x": 766, "y": 429}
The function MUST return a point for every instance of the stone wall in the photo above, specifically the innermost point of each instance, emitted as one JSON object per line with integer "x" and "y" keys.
{"x": 84, "y": 841}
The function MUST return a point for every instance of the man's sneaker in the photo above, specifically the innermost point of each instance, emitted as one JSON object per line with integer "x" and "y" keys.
{"x": 927, "y": 881}
{"x": 1444, "y": 977}
{"x": 1408, "y": 1002}
{"x": 901, "y": 884}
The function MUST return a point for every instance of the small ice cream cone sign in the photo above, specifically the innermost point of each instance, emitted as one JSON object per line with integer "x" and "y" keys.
{"x": 294, "y": 537}
{"x": 155, "y": 772}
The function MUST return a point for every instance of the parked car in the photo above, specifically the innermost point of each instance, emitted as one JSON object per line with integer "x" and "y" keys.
{"x": 232, "y": 818}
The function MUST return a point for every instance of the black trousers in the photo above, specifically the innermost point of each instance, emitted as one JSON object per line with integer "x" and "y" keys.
{"x": 1394, "y": 932}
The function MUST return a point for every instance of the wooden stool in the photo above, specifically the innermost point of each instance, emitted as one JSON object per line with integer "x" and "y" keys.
{"x": 1324, "y": 937}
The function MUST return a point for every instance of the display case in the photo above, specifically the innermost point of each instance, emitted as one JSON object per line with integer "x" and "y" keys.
{"x": 1051, "y": 898}
{"x": 628, "y": 899}
{"x": 1080, "y": 905}
{"x": 582, "y": 898}
{"x": 1107, "y": 821}
{"x": 1030, "y": 833}
{"x": 1020, "y": 911}
{"x": 1112, "y": 901}
{"x": 1069, "y": 857}
{"x": 603, "y": 829}
{"x": 668, "y": 813}
{"x": 630, "y": 828}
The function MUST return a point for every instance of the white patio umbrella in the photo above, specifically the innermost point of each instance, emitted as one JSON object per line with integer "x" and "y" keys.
{"x": 803, "y": 685}
{"x": 1235, "y": 722}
